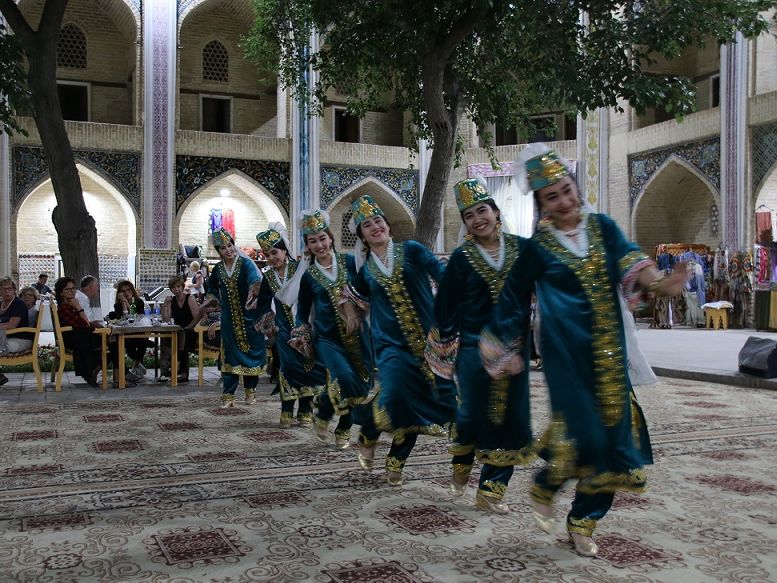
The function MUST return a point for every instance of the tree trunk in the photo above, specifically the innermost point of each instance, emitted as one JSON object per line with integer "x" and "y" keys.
{"x": 76, "y": 232}
{"x": 444, "y": 122}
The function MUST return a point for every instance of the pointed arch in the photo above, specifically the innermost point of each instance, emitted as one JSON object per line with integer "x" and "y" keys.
{"x": 678, "y": 204}
{"x": 399, "y": 215}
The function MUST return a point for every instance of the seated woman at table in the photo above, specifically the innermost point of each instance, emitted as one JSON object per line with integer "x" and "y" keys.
{"x": 182, "y": 309}
{"x": 127, "y": 296}
{"x": 13, "y": 314}
{"x": 81, "y": 340}
{"x": 30, "y": 296}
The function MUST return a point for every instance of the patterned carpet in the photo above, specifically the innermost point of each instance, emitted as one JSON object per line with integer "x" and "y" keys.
{"x": 177, "y": 490}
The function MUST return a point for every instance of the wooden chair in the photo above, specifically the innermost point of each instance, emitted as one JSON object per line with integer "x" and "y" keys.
{"x": 28, "y": 356}
{"x": 63, "y": 355}
{"x": 204, "y": 351}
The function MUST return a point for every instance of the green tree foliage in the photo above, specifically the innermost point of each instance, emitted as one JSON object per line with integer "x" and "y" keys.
{"x": 13, "y": 93}
{"x": 494, "y": 59}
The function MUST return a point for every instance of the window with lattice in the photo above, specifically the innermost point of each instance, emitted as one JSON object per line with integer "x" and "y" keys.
{"x": 215, "y": 62}
{"x": 71, "y": 47}
{"x": 348, "y": 238}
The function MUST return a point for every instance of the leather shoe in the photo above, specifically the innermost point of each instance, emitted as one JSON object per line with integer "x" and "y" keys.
{"x": 543, "y": 516}
{"x": 490, "y": 503}
{"x": 458, "y": 484}
{"x": 367, "y": 462}
{"x": 584, "y": 545}
{"x": 394, "y": 478}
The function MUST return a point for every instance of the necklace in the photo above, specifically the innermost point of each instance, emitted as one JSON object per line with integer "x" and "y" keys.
{"x": 4, "y": 306}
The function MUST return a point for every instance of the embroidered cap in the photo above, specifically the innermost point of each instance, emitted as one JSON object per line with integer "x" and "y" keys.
{"x": 314, "y": 221}
{"x": 268, "y": 239}
{"x": 221, "y": 238}
{"x": 470, "y": 192}
{"x": 537, "y": 166}
{"x": 365, "y": 208}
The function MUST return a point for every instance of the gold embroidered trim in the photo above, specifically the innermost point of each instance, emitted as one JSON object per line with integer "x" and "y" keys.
{"x": 286, "y": 416}
{"x": 343, "y": 434}
{"x": 251, "y": 371}
{"x": 542, "y": 495}
{"x": 290, "y": 393}
{"x": 584, "y": 526}
{"x": 342, "y": 405}
{"x": 366, "y": 442}
{"x": 630, "y": 260}
{"x": 493, "y": 489}
{"x": 507, "y": 457}
{"x": 562, "y": 455}
{"x": 383, "y": 423}
{"x": 462, "y": 469}
{"x": 460, "y": 449}
{"x": 494, "y": 279}
{"x": 235, "y": 307}
{"x": 394, "y": 464}
{"x": 404, "y": 310}
{"x": 591, "y": 271}
{"x": 609, "y": 482}
{"x": 333, "y": 288}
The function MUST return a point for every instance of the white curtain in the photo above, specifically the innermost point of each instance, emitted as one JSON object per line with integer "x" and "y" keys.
{"x": 517, "y": 208}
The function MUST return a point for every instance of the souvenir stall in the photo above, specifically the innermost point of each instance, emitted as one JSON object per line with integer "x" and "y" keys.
{"x": 765, "y": 268}
{"x": 684, "y": 309}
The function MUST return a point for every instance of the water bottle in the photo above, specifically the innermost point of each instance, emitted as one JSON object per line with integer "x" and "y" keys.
{"x": 146, "y": 314}
{"x": 157, "y": 313}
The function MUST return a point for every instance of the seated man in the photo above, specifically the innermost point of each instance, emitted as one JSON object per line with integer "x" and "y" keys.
{"x": 89, "y": 298}
{"x": 13, "y": 314}
{"x": 41, "y": 286}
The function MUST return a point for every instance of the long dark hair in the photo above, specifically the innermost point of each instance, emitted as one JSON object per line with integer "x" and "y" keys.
{"x": 331, "y": 238}
{"x": 367, "y": 250}
{"x": 60, "y": 285}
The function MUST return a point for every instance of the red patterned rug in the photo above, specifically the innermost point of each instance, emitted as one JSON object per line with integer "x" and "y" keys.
{"x": 178, "y": 490}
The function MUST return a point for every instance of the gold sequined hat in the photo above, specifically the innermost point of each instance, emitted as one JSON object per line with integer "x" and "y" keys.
{"x": 268, "y": 239}
{"x": 537, "y": 166}
{"x": 314, "y": 221}
{"x": 365, "y": 208}
{"x": 221, "y": 238}
{"x": 470, "y": 192}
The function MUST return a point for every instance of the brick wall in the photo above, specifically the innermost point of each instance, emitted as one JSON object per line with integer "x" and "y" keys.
{"x": 113, "y": 224}
{"x": 111, "y": 59}
{"x": 254, "y": 100}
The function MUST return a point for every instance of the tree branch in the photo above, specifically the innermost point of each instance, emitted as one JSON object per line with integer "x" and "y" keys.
{"x": 51, "y": 20}
{"x": 17, "y": 22}
{"x": 461, "y": 28}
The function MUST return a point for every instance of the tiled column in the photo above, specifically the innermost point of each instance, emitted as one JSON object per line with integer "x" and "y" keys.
{"x": 305, "y": 161}
{"x": 733, "y": 142}
{"x": 593, "y": 137}
{"x": 159, "y": 67}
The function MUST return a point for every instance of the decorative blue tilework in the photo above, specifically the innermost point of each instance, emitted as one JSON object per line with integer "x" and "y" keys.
{"x": 704, "y": 155}
{"x": 193, "y": 172}
{"x": 764, "y": 144}
{"x": 337, "y": 179}
{"x": 121, "y": 169}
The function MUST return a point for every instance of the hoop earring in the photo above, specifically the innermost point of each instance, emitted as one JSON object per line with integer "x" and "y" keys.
{"x": 469, "y": 237}
{"x": 498, "y": 224}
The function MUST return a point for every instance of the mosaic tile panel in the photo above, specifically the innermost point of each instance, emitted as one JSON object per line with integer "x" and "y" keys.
{"x": 155, "y": 267}
{"x": 703, "y": 155}
{"x": 194, "y": 172}
{"x": 337, "y": 179}
{"x": 122, "y": 169}
{"x": 764, "y": 144}
{"x": 113, "y": 267}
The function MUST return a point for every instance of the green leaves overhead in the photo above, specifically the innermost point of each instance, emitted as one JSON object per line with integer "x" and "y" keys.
{"x": 505, "y": 59}
{"x": 13, "y": 93}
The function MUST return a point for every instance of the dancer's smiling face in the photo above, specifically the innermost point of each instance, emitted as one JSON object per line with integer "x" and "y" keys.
{"x": 319, "y": 244}
{"x": 561, "y": 201}
{"x": 276, "y": 257}
{"x": 480, "y": 220}
{"x": 375, "y": 230}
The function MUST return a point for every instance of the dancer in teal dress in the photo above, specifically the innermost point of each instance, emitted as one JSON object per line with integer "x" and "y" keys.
{"x": 578, "y": 260}
{"x": 395, "y": 282}
{"x": 234, "y": 283}
{"x": 299, "y": 380}
{"x": 347, "y": 356}
{"x": 493, "y": 419}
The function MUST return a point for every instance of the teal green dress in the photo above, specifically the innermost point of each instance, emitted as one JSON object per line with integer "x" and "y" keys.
{"x": 493, "y": 419}
{"x": 411, "y": 400}
{"x": 298, "y": 379}
{"x": 598, "y": 432}
{"x": 243, "y": 349}
{"x": 346, "y": 357}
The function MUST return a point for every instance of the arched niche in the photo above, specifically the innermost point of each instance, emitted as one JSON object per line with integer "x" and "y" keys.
{"x": 254, "y": 208}
{"x": 396, "y": 211}
{"x": 677, "y": 205}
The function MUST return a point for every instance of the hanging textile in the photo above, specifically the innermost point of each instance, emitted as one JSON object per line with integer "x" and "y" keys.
{"x": 516, "y": 208}
{"x": 763, "y": 227}
{"x": 228, "y": 221}
{"x": 215, "y": 220}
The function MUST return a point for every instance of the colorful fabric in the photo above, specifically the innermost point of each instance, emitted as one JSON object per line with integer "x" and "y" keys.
{"x": 470, "y": 192}
{"x": 365, "y": 208}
